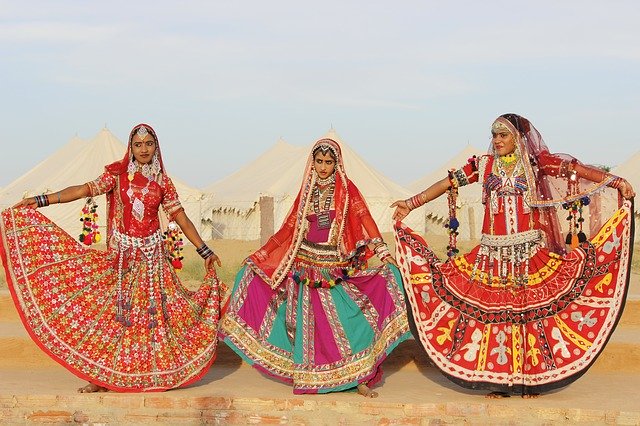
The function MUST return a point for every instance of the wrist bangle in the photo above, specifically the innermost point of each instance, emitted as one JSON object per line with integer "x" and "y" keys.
{"x": 409, "y": 204}
{"x": 58, "y": 197}
{"x": 616, "y": 182}
{"x": 416, "y": 201}
{"x": 382, "y": 251}
{"x": 41, "y": 200}
{"x": 204, "y": 251}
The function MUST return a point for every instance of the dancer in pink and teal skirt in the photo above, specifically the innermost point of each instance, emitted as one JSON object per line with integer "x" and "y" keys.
{"x": 305, "y": 308}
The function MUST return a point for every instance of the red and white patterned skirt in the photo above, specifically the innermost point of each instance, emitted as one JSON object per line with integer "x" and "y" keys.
{"x": 517, "y": 318}
{"x": 160, "y": 336}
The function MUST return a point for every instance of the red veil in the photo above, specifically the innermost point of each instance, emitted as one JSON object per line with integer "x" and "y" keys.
{"x": 548, "y": 185}
{"x": 119, "y": 169}
{"x": 353, "y": 220}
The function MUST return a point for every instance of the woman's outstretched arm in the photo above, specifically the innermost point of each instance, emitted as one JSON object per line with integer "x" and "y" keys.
{"x": 404, "y": 207}
{"x": 70, "y": 193}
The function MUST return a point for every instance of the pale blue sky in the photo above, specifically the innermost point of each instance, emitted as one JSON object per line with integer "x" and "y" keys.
{"x": 406, "y": 83}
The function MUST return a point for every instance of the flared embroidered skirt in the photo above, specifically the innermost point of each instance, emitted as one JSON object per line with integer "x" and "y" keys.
{"x": 160, "y": 336}
{"x": 487, "y": 329}
{"x": 323, "y": 339}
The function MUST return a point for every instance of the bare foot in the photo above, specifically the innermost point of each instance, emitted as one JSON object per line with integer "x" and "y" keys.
{"x": 365, "y": 391}
{"x": 497, "y": 395}
{"x": 530, "y": 395}
{"x": 92, "y": 387}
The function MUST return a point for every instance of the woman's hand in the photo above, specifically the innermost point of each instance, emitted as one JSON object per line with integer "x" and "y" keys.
{"x": 626, "y": 190}
{"x": 210, "y": 262}
{"x": 26, "y": 202}
{"x": 402, "y": 210}
{"x": 391, "y": 260}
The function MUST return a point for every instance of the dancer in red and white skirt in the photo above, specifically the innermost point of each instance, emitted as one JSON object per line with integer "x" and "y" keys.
{"x": 120, "y": 319}
{"x": 526, "y": 311}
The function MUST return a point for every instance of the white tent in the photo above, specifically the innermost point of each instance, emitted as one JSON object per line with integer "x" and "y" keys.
{"x": 470, "y": 210}
{"x": 630, "y": 170}
{"x": 277, "y": 173}
{"x": 75, "y": 163}
{"x": 233, "y": 212}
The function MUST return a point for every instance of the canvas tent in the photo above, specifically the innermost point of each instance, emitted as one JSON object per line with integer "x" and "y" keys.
{"x": 630, "y": 170}
{"x": 470, "y": 210}
{"x": 277, "y": 173}
{"x": 77, "y": 162}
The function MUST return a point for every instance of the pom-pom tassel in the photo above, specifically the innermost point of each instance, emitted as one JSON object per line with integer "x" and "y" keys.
{"x": 174, "y": 242}
{"x": 89, "y": 217}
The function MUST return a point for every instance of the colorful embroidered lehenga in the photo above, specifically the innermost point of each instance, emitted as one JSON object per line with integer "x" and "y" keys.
{"x": 120, "y": 318}
{"x": 518, "y": 314}
{"x": 305, "y": 309}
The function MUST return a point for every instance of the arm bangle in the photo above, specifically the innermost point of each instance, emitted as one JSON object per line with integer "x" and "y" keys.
{"x": 204, "y": 251}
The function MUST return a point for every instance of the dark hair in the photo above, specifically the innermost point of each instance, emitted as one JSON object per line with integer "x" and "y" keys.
{"x": 319, "y": 148}
{"x": 520, "y": 123}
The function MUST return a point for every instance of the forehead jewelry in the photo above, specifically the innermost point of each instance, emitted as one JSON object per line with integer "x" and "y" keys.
{"x": 498, "y": 127}
{"x": 324, "y": 149}
{"x": 142, "y": 132}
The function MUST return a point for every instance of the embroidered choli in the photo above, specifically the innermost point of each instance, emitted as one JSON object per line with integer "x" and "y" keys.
{"x": 156, "y": 194}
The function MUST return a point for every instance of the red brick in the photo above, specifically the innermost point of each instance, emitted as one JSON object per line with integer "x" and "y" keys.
{"x": 37, "y": 401}
{"x": 267, "y": 420}
{"x": 224, "y": 417}
{"x": 465, "y": 409}
{"x": 210, "y": 402}
{"x": 120, "y": 400}
{"x": 400, "y": 421}
{"x": 424, "y": 410}
{"x": 50, "y": 417}
{"x": 165, "y": 402}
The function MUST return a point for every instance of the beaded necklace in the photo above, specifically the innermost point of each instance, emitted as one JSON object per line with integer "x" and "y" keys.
{"x": 324, "y": 221}
{"x": 150, "y": 171}
{"x": 507, "y": 163}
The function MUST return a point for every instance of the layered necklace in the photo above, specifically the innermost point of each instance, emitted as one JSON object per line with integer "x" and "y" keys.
{"x": 150, "y": 171}
{"x": 324, "y": 220}
{"x": 508, "y": 162}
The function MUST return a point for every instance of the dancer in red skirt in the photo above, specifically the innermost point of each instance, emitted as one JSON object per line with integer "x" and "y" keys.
{"x": 527, "y": 310}
{"x": 120, "y": 319}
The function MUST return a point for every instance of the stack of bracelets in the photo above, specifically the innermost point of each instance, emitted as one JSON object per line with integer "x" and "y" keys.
{"x": 616, "y": 183}
{"x": 382, "y": 251}
{"x": 417, "y": 200}
{"x": 204, "y": 251}
{"x": 41, "y": 200}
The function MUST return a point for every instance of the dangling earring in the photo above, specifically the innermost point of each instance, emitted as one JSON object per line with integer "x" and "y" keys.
{"x": 131, "y": 169}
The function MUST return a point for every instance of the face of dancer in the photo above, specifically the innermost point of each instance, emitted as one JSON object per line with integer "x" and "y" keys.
{"x": 324, "y": 164}
{"x": 143, "y": 148}
{"x": 503, "y": 142}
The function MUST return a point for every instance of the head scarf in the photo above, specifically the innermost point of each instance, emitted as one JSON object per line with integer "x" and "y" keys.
{"x": 350, "y": 210}
{"x": 546, "y": 192}
{"x": 122, "y": 167}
